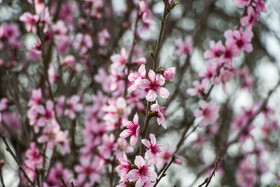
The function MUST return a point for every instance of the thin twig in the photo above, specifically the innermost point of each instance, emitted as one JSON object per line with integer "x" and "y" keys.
{"x": 72, "y": 184}
{"x": 155, "y": 60}
{"x": 1, "y": 176}
{"x": 181, "y": 141}
{"x": 164, "y": 171}
{"x": 62, "y": 180}
{"x": 8, "y": 148}
{"x": 208, "y": 179}
{"x": 38, "y": 177}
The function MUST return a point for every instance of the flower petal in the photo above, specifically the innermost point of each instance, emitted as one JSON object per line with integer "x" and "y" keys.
{"x": 163, "y": 92}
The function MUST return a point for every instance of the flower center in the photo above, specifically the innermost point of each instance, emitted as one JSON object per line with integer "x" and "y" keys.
{"x": 143, "y": 171}
{"x": 154, "y": 85}
{"x": 240, "y": 43}
{"x": 155, "y": 148}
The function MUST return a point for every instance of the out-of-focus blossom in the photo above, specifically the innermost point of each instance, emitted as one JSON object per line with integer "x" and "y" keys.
{"x": 208, "y": 112}
{"x": 30, "y": 21}
{"x": 183, "y": 48}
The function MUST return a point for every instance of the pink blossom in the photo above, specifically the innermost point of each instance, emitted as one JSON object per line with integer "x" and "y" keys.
{"x": 123, "y": 168}
{"x": 89, "y": 169}
{"x": 39, "y": 5}
{"x": 136, "y": 78}
{"x": 153, "y": 85}
{"x": 226, "y": 74}
{"x": 241, "y": 120}
{"x": 63, "y": 44}
{"x": 183, "y": 48}
{"x": 30, "y": 21}
{"x": 36, "y": 98}
{"x": 249, "y": 20}
{"x": 45, "y": 113}
{"x": 66, "y": 12}
{"x": 4, "y": 103}
{"x": 36, "y": 52}
{"x": 122, "y": 147}
{"x": 117, "y": 83}
{"x": 143, "y": 172}
{"x": 59, "y": 29}
{"x": 153, "y": 149}
{"x": 68, "y": 61}
{"x": 33, "y": 156}
{"x": 229, "y": 53}
{"x": 73, "y": 106}
{"x": 119, "y": 60}
{"x": 208, "y": 111}
{"x": 10, "y": 32}
{"x": 169, "y": 73}
{"x": 103, "y": 36}
{"x": 246, "y": 174}
{"x": 165, "y": 156}
{"x": 12, "y": 121}
{"x": 63, "y": 142}
{"x": 146, "y": 15}
{"x": 259, "y": 5}
{"x": 53, "y": 177}
{"x": 132, "y": 129}
{"x": 98, "y": 101}
{"x": 245, "y": 78}
{"x": 246, "y": 134}
{"x": 241, "y": 40}
{"x": 216, "y": 50}
{"x": 199, "y": 88}
{"x": 159, "y": 113}
{"x": 268, "y": 128}
{"x": 52, "y": 135}
{"x": 114, "y": 110}
{"x": 83, "y": 42}
{"x": 103, "y": 78}
{"x": 211, "y": 71}
{"x": 107, "y": 146}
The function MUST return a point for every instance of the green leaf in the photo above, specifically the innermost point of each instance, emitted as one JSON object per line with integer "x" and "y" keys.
{"x": 150, "y": 48}
{"x": 173, "y": 5}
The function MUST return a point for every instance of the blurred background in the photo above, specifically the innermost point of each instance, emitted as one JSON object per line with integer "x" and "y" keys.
{"x": 203, "y": 20}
